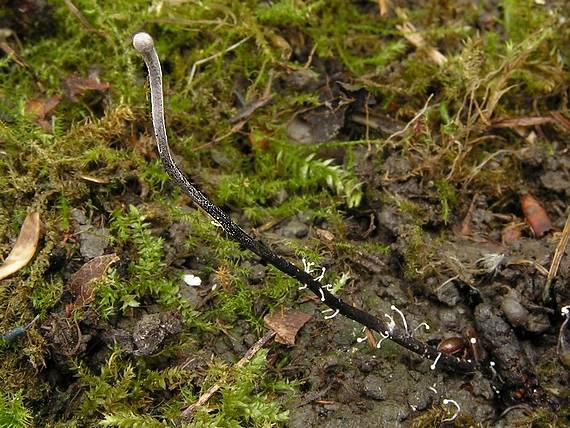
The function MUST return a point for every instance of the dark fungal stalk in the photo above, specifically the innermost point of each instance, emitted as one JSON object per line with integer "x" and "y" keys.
{"x": 144, "y": 44}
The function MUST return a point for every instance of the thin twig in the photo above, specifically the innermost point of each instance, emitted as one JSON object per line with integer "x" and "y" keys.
{"x": 144, "y": 44}
{"x": 211, "y": 57}
{"x": 189, "y": 411}
{"x": 77, "y": 13}
{"x": 411, "y": 122}
{"x": 413, "y": 36}
{"x": 558, "y": 253}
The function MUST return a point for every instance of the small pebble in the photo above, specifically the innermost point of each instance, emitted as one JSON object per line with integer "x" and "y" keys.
{"x": 514, "y": 311}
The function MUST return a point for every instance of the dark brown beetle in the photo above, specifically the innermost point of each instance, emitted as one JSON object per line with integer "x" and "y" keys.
{"x": 452, "y": 346}
{"x": 463, "y": 347}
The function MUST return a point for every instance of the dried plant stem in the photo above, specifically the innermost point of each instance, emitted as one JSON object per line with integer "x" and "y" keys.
{"x": 145, "y": 45}
{"x": 189, "y": 411}
{"x": 558, "y": 253}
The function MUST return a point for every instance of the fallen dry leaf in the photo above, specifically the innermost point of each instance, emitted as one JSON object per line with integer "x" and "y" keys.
{"x": 25, "y": 246}
{"x": 81, "y": 282}
{"x": 535, "y": 215}
{"x": 286, "y": 324}
{"x": 93, "y": 179}
{"x": 76, "y": 86}
{"x": 41, "y": 108}
{"x": 512, "y": 122}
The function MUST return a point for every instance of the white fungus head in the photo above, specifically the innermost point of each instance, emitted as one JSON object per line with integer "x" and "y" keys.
{"x": 143, "y": 42}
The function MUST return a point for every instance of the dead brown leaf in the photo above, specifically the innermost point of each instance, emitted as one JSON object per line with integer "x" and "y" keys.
{"x": 535, "y": 215}
{"x": 286, "y": 324}
{"x": 41, "y": 108}
{"x": 25, "y": 246}
{"x": 81, "y": 282}
{"x": 76, "y": 86}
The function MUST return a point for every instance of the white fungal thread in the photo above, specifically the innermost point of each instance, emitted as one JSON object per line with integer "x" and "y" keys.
{"x": 473, "y": 341}
{"x": 435, "y": 362}
{"x": 458, "y": 409}
{"x": 391, "y": 324}
{"x": 328, "y": 317}
{"x": 395, "y": 309}
{"x": 384, "y": 337}
{"x": 328, "y": 287}
{"x": 212, "y": 57}
{"x": 322, "y": 294}
{"x": 215, "y": 223}
{"x": 325, "y": 311}
{"x": 444, "y": 283}
{"x": 561, "y": 345}
{"x": 491, "y": 262}
{"x": 492, "y": 367}
{"x": 308, "y": 266}
{"x": 321, "y": 276}
{"x": 424, "y": 325}
{"x": 362, "y": 339}
{"x": 432, "y": 389}
{"x": 302, "y": 287}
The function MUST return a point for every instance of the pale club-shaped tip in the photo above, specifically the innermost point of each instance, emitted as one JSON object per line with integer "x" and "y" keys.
{"x": 143, "y": 42}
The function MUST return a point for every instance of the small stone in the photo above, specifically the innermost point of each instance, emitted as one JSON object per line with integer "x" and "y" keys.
{"x": 388, "y": 217}
{"x": 449, "y": 318}
{"x": 153, "y": 329}
{"x": 555, "y": 180}
{"x": 392, "y": 412}
{"x": 257, "y": 273}
{"x": 421, "y": 399}
{"x": 514, "y": 311}
{"x": 79, "y": 216}
{"x": 92, "y": 243}
{"x": 305, "y": 217}
{"x": 190, "y": 294}
{"x": 372, "y": 387}
{"x": 448, "y": 294}
{"x": 295, "y": 229}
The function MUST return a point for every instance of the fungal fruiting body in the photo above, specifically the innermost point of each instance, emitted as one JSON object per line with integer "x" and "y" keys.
{"x": 144, "y": 44}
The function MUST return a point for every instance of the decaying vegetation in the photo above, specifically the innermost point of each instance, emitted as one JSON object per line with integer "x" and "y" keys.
{"x": 417, "y": 151}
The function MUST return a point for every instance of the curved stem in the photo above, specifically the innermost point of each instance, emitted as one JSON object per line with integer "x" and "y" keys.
{"x": 145, "y": 45}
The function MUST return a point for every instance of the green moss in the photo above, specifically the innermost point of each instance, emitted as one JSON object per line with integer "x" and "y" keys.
{"x": 240, "y": 403}
{"x": 448, "y": 198}
{"x": 546, "y": 418}
{"x": 288, "y": 12}
{"x": 13, "y": 412}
